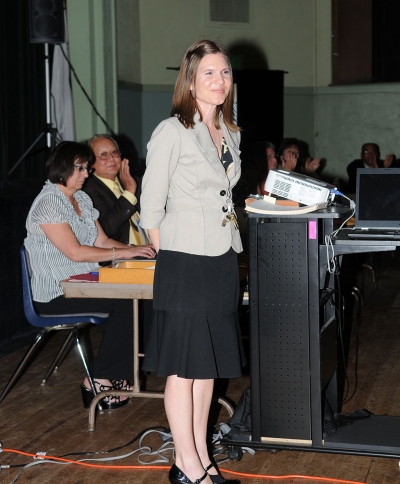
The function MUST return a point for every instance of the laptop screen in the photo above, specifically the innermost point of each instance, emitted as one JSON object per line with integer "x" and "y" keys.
{"x": 378, "y": 198}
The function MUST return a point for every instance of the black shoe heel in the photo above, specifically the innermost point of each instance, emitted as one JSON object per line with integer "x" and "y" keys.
{"x": 87, "y": 396}
{"x": 219, "y": 478}
{"x": 176, "y": 476}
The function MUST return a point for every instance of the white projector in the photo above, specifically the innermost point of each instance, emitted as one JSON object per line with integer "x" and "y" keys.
{"x": 297, "y": 187}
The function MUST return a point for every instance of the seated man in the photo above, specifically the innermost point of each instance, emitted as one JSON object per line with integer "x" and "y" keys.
{"x": 370, "y": 158}
{"x": 115, "y": 193}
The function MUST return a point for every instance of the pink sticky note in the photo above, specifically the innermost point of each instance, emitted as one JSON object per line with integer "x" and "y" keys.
{"x": 312, "y": 229}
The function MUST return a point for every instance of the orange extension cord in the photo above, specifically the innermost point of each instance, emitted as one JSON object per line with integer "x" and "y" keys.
{"x": 141, "y": 467}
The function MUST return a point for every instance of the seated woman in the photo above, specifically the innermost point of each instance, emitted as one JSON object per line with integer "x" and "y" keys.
{"x": 293, "y": 157}
{"x": 63, "y": 239}
{"x": 264, "y": 159}
{"x": 261, "y": 160}
{"x": 306, "y": 164}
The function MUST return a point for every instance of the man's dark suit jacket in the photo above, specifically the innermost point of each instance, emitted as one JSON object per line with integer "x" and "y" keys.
{"x": 114, "y": 212}
{"x": 114, "y": 219}
{"x": 352, "y": 171}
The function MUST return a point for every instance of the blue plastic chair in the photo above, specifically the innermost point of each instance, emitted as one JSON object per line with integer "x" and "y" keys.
{"x": 57, "y": 322}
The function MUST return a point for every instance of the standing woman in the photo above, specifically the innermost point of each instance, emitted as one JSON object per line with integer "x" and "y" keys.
{"x": 192, "y": 165}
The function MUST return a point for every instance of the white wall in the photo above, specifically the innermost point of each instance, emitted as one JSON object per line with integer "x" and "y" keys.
{"x": 349, "y": 116}
{"x": 283, "y": 29}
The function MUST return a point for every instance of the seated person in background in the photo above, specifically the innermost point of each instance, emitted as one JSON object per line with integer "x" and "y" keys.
{"x": 115, "y": 192}
{"x": 262, "y": 160}
{"x": 306, "y": 164}
{"x": 370, "y": 158}
{"x": 288, "y": 154}
{"x": 64, "y": 238}
{"x": 292, "y": 157}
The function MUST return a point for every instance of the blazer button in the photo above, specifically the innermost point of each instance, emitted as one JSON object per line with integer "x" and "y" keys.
{"x": 224, "y": 209}
{"x": 222, "y": 193}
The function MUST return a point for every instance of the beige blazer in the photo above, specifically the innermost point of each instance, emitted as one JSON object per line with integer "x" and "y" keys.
{"x": 185, "y": 187}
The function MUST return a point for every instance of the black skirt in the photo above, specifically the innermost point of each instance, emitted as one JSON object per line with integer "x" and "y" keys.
{"x": 195, "y": 329}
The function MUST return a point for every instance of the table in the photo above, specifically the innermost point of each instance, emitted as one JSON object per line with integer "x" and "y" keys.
{"x": 121, "y": 291}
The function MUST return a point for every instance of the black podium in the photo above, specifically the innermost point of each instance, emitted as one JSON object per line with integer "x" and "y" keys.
{"x": 293, "y": 338}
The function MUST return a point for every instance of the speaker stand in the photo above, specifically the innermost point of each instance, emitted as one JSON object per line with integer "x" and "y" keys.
{"x": 48, "y": 130}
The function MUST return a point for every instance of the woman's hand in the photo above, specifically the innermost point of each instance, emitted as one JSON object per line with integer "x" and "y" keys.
{"x": 123, "y": 251}
{"x": 155, "y": 238}
{"x": 62, "y": 236}
{"x": 289, "y": 162}
{"x": 312, "y": 165}
{"x": 131, "y": 251}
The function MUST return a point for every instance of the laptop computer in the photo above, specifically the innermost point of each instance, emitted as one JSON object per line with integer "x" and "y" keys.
{"x": 377, "y": 213}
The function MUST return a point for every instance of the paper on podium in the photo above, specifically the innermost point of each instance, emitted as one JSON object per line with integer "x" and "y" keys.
{"x": 269, "y": 205}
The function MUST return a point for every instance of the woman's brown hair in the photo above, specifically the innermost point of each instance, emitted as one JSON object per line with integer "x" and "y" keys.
{"x": 61, "y": 161}
{"x": 184, "y": 104}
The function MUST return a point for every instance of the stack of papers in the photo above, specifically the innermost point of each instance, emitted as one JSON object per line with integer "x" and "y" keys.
{"x": 269, "y": 205}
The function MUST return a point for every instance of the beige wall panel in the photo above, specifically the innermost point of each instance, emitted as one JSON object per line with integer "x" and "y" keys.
{"x": 283, "y": 30}
{"x": 128, "y": 40}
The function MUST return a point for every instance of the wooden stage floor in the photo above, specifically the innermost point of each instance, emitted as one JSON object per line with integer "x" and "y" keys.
{"x": 51, "y": 418}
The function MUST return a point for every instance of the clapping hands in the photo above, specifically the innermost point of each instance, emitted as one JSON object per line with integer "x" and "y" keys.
{"x": 389, "y": 159}
{"x": 289, "y": 162}
{"x": 312, "y": 165}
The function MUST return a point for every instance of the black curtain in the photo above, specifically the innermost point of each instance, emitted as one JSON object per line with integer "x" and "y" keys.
{"x": 22, "y": 119}
{"x": 260, "y": 107}
{"x": 22, "y": 95}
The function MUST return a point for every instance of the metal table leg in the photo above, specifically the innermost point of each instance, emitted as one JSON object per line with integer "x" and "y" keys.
{"x": 136, "y": 392}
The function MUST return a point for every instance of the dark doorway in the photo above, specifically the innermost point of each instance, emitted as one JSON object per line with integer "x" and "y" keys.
{"x": 260, "y": 107}
{"x": 365, "y": 42}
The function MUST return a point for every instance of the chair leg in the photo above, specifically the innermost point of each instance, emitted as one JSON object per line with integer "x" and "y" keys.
{"x": 89, "y": 376}
{"x": 368, "y": 266}
{"x": 39, "y": 337}
{"x": 357, "y": 299}
{"x": 360, "y": 296}
{"x": 58, "y": 358}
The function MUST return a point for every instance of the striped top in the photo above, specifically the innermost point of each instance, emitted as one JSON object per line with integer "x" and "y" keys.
{"x": 50, "y": 266}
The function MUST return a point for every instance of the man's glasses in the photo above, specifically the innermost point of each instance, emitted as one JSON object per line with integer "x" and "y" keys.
{"x": 81, "y": 168}
{"x": 113, "y": 154}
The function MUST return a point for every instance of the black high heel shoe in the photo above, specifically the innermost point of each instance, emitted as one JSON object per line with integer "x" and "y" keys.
{"x": 176, "y": 476}
{"x": 220, "y": 479}
{"x": 106, "y": 403}
{"x": 122, "y": 385}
